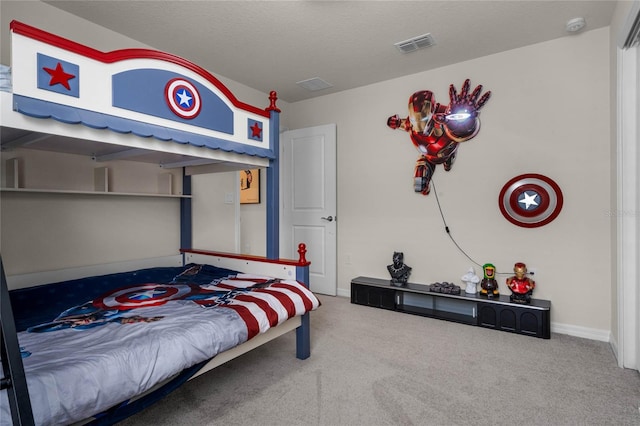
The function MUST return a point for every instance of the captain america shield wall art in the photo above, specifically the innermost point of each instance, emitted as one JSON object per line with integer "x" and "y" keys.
{"x": 530, "y": 200}
{"x": 183, "y": 98}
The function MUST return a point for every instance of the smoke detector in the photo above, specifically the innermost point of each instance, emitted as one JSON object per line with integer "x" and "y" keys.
{"x": 574, "y": 25}
{"x": 415, "y": 43}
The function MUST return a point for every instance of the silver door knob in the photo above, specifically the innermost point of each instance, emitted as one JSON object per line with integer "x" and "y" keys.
{"x": 328, "y": 219}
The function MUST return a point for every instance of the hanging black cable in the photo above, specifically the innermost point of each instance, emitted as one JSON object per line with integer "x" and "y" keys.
{"x": 446, "y": 228}
{"x": 448, "y": 231}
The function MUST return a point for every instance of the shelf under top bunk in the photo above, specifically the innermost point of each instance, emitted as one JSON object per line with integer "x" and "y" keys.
{"x": 132, "y": 104}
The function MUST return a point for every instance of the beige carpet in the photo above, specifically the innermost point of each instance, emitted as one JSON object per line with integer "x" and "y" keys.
{"x": 375, "y": 367}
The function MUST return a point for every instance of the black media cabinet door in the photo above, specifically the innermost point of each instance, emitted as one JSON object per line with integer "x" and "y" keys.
{"x": 435, "y": 305}
{"x": 516, "y": 319}
{"x": 373, "y": 296}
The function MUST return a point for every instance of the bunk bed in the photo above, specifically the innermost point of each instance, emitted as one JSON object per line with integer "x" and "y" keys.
{"x": 158, "y": 108}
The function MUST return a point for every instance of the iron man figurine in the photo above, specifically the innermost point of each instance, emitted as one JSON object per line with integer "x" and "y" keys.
{"x": 436, "y": 130}
{"x": 520, "y": 285}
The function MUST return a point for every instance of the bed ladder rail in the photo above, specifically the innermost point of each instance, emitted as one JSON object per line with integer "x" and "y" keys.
{"x": 13, "y": 379}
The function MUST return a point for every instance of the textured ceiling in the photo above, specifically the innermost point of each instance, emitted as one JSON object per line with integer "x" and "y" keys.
{"x": 271, "y": 45}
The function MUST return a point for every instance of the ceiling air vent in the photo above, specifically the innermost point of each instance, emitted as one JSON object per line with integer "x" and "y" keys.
{"x": 314, "y": 84}
{"x": 415, "y": 43}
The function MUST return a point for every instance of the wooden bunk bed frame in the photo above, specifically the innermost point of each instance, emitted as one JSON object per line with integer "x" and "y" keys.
{"x": 245, "y": 137}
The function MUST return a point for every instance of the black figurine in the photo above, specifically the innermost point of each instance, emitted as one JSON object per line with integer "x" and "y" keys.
{"x": 398, "y": 270}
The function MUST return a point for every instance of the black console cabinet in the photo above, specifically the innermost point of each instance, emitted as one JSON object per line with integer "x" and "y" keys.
{"x": 373, "y": 296}
{"x": 472, "y": 309}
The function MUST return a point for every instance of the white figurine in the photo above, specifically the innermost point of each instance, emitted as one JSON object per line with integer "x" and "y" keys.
{"x": 471, "y": 280}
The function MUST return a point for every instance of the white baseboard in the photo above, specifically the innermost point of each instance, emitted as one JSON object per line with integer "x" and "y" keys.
{"x": 614, "y": 347}
{"x": 343, "y": 292}
{"x": 584, "y": 332}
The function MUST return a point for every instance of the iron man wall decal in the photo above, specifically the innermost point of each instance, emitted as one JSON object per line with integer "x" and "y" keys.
{"x": 437, "y": 130}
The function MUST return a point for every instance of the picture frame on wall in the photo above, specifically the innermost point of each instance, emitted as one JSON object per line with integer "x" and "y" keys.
{"x": 250, "y": 186}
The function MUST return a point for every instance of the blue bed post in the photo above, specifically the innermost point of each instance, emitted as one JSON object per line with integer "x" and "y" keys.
{"x": 273, "y": 182}
{"x": 185, "y": 214}
{"x": 303, "y": 333}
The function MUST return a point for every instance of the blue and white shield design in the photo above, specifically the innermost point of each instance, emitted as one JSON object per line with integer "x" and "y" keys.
{"x": 142, "y": 296}
{"x": 183, "y": 98}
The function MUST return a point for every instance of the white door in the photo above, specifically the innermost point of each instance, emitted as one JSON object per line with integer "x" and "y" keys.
{"x": 308, "y": 197}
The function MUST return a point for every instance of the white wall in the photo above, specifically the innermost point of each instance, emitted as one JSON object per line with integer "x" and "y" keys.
{"x": 548, "y": 114}
{"x": 253, "y": 220}
{"x": 210, "y": 233}
{"x": 45, "y": 231}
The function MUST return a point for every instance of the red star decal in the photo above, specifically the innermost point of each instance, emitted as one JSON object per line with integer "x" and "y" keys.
{"x": 58, "y": 76}
{"x": 256, "y": 131}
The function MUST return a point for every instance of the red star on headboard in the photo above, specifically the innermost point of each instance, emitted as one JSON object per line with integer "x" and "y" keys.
{"x": 256, "y": 131}
{"x": 58, "y": 76}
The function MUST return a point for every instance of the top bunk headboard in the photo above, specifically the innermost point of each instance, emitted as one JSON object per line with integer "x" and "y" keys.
{"x": 138, "y": 98}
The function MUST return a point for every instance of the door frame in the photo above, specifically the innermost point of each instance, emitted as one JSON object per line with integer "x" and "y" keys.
{"x": 628, "y": 208}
